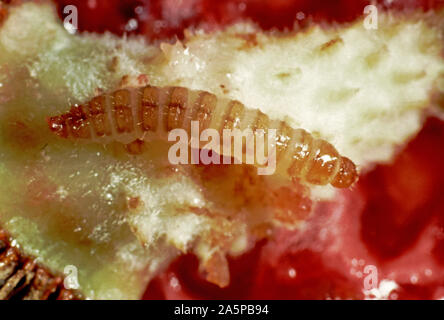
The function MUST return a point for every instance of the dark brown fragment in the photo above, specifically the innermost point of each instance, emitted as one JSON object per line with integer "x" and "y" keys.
{"x": 21, "y": 278}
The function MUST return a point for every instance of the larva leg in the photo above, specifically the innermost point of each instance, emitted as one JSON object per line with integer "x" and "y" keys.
{"x": 127, "y": 115}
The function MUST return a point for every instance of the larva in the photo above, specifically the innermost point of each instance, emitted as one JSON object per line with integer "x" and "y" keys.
{"x": 143, "y": 113}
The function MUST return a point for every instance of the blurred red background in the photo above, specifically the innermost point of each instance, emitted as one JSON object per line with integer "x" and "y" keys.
{"x": 393, "y": 219}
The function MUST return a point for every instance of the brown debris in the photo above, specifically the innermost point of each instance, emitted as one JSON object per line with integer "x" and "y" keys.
{"x": 250, "y": 40}
{"x": 134, "y": 203}
{"x": 22, "y": 278}
{"x": 8, "y": 263}
{"x": 43, "y": 285}
{"x": 18, "y": 281}
{"x": 330, "y": 44}
{"x": 143, "y": 80}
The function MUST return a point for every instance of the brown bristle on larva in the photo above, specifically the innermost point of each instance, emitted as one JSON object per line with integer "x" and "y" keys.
{"x": 176, "y": 109}
{"x": 122, "y": 112}
{"x": 203, "y": 109}
{"x": 162, "y": 109}
{"x": 234, "y": 115}
{"x": 149, "y": 108}
{"x": 98, "y": 113}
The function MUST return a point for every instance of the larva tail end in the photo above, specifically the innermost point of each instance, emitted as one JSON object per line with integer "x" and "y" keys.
{"x": 57, "y": 125}
{"x": 346, "y": 175}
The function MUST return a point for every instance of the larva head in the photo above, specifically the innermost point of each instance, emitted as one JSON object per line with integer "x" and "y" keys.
{"x": 73, "y": 123}
{"x": 346, "y": 175}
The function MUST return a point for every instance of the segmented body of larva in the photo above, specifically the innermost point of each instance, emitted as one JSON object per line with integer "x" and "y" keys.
{"x": 143, "y": 113}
